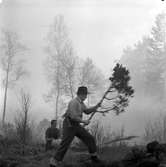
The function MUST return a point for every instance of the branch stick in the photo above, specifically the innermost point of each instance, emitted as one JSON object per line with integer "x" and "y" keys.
{"x": 105, "y": 94}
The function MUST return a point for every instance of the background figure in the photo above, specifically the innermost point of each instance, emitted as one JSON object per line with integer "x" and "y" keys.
{"x": 52, "y": 133}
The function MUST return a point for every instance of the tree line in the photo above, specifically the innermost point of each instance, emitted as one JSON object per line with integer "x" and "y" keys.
{"x": 64, "y": 70}
{"x": 146, "y": 61}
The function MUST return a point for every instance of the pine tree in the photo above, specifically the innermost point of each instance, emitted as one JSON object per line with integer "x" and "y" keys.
{"x": 155, "y": 58}
{"x": 147, "y": 61}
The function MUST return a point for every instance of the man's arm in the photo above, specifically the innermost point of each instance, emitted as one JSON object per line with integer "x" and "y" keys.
{"x": 91, "y": 109}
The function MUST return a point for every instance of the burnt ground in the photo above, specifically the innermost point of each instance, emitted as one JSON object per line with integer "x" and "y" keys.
{"x": 35, "y": 156}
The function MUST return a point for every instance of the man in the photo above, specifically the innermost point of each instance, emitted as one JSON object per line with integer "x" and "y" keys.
{"x": 72, "y": 128}
{"x": 52, "y": 133}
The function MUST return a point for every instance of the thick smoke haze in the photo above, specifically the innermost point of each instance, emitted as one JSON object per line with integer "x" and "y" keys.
{"x": 100, "y": 30}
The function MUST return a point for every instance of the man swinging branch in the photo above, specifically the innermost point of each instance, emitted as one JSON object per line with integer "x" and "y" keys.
{"x": 118, "y": 94}
{"x": 72, "y": 128}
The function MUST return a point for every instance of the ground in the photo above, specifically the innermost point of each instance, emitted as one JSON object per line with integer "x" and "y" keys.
{"x": 35, "y": 156}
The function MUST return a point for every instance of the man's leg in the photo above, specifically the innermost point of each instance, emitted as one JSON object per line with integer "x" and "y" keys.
{"x": 48, "y": 145}
{"x": 89, "y": 140}
{"x": 67, "y": 137}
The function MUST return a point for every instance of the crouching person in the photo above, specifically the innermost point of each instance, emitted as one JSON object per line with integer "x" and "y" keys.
{"x": 52, "y": 133}
{"x": 72, "y": 128}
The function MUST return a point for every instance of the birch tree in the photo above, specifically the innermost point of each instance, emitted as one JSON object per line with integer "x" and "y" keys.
{"x": 92, "y": 77}
{"x": 60, "y": 63}
{"x": 22, "y": 121}
{"x": 11, "y": 63}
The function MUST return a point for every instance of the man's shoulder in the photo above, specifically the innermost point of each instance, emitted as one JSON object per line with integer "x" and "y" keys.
{"x": 48, "y": 129}
{"x": 56, "y": 129}
{"x": 74, "y": 101}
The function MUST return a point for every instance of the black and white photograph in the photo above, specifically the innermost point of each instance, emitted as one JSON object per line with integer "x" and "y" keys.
{"x": 82, "y": 83}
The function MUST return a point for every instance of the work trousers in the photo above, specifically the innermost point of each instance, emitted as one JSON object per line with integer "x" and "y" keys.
{"x": 48, "y": 145}
{"x": 69, "y": 132}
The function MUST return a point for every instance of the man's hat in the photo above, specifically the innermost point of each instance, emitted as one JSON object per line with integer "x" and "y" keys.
{"x": 82, "y": 90}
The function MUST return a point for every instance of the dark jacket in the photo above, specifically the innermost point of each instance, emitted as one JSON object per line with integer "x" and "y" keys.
{"x": 53, "y": 133}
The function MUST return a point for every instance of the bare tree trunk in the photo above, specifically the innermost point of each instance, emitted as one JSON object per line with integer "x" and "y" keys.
{"x": 58, "y": 89}
{"x": 25, "y": 125}
{"x": 164, "y": 128}
{"x": 26, "y": 102}
{"x": 5, "y": 96}
{"x": 56, "y": 106}
{"x": 24, "y": 131}
{"x": 71, "y": 89}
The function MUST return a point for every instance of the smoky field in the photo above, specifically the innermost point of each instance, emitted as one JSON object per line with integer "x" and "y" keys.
{"x": 117, "y": 155}
{"x": 35, "y": 156}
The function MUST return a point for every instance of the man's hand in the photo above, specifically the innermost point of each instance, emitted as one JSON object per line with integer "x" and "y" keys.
{"x": 86, "y": 122}
{"x": 97, "y": 106}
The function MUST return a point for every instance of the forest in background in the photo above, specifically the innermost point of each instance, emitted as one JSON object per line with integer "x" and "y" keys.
{"x": 23, "y": 139}
{"x": 65, "y": 71}
{"x": 146, "y": 61}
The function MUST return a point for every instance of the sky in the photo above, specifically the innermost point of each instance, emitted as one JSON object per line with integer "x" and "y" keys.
{"x": 98, "y": 29}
